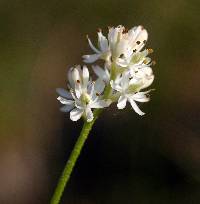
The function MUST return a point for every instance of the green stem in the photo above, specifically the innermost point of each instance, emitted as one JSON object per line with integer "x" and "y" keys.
{"x": 73, "y": 158}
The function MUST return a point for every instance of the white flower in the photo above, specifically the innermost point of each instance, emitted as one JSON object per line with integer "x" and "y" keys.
{"x": 128, "y": 87}
{"x": 83, "y": 96}
{"x": 144, "y": 75}
{"x": 121, "y": 44}
{"x": 103, "y": 51}
{"x": 136, "y": 59}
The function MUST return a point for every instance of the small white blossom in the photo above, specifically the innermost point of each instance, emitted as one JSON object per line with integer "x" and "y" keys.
{"x": 83, "y": 96}
{"x": 103, "y": 51}
{"x": 121, "y": 44}
{"x": 129, "y": 89}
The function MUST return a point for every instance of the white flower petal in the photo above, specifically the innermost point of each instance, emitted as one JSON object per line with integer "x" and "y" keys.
{"x": 103, "y": 74}
{"x": 125, "y": 80}
{"x": 103, "y": 42}
{"x": 85, "y": 76}
{"x": 147, "y": 81}
{"x": 112, "y": 37}
{"x": 91, "y": 89}
{"x": 76, "y": 75}
{"x": 122, "y": 47}
{"x": 93, "y": 47}
{"x": 135, "y": 107}
{"x": 69, "y": 76}
{"x": 89, "y": 114}
{"x": 67, "y": 108}
{"x": 65, "y": 101}
{"x": 78, "y": 90}
{"x": 91, "y": 58}
{"x": 76, "y": 114}
{"x": 122, "y": 102}
{"x": 140, "y": 97}
{"x": 122, "y": 62}
{"x": 116, "y": 86}
{"x": 62, "y": 92}
{"x": 107, "y": 75}
{"x": 101, "y": 104}
{"x": 99, "y": 86}
{"x": 140, "y": 40}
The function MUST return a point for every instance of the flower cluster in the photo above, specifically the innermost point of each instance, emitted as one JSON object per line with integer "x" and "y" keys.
{"x": 126, "y": 73}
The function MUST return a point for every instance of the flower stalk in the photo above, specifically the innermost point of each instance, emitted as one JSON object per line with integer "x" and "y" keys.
{"x": 73, "y": 158}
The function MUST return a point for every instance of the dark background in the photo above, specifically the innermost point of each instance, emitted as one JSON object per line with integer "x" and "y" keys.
{"x": 153, "y": 159}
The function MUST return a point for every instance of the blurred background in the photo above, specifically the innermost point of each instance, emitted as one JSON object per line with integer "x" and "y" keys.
{"x": 127, "y": 158}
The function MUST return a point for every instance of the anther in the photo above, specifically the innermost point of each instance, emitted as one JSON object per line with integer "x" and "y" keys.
{"x": 145, "y": 61}
{"x": 125, "y": 30}
{"x": 99, "y": 30}
{"x": 150, "y": 50}
{"x": 78, "y": 81}
{"x": 97, "y": 94}
{"x": 134, "y": 50}
{"x": 144, "y": 41}
{"x": 138, "y": 42}
{"x": 153, "y": 62}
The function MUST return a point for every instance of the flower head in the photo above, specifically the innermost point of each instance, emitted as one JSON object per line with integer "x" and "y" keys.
{"x": 129, "y": 89}
{"x": 83, "y": 96}
{"x": 126, "y": 73}
{"x": 120, "y": 45}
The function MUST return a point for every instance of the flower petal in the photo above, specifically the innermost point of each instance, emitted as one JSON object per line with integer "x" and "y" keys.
{"x": 92, "y": 46}
{"x": 69, "y": 76}
{"x": 147, "y": 81}
{"x": 99, "y": 86}
{"x": 141, "y": 38}
{"x": 122, "y": 62}
{"x": 89, "y": 114}
{"x": 103, "y": 42}
{"x": 76, "y": 114}
{"x": 116, "y": 86}
{"x": 76, "y": 76}
{"x": 101, "y": 104}
{"x": 125, "y": 80}
{"x": 101, "y": 73}
{"x": 91, "y": 58}
{"x": 62, "y": 92}
{"x": 135, "y": 107}
{"x": 65, "y": 101}
{"x": 122, "y": 102}
{"x": 66, "y": 108}
{"x": 140, "y": 97}
{"x": 85, "y": 76}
